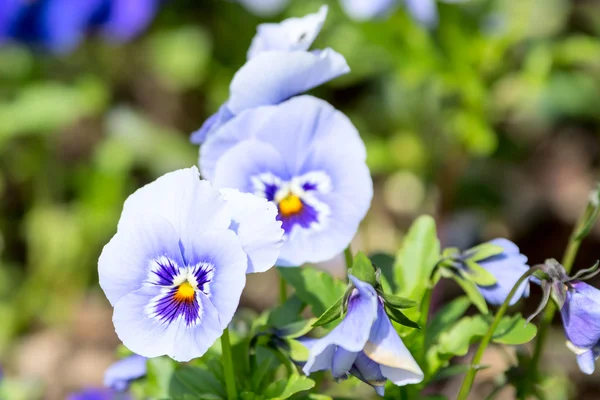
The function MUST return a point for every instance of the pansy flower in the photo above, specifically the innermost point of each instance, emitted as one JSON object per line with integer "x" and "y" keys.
{"x": 308, "y": 159}
{"x": 60, "y": 25}
{"x": 175, "y": 269}
{"x": 264, "y": 8}
{"x": 98, "y": 394}
{"x": 121, "y": 373}
{"x": 507, "y": 267}
{"x": 423, "y": 11}
{"x": 365, "y": 344}
{"x": 581, "y": 319}
{"x": 278, "y": 67}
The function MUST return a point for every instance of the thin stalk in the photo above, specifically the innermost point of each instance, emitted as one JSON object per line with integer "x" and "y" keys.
{"x": 548, "y": 316}
{"x": 228, "y": 366}
{"x": 282, "y": 290}
{"x": 470, "y": 377}
{"x": 348, "y": 257}
{"x": 423, "y": 320}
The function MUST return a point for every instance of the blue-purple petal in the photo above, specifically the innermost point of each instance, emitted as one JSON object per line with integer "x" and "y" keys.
{"x": 121, "y": 373}
{"x": 581, "y": 315}
{"x": 362, "y": 10}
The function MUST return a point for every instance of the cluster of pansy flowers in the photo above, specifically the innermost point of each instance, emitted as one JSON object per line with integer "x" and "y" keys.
{"x": 60, "y": 25}
{"x": 286, "y": 183}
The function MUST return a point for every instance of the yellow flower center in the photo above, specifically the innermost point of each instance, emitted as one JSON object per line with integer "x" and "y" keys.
{"x": 290, "y": 205}
{"x": 185, "y": 293}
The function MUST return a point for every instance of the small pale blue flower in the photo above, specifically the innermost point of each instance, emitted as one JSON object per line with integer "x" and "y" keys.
{"x": 121, "y": 373}
{"x": 291, "y": 34}
{"x": 363, "y": 10}
{"x": 264, "y": 8}
{"x": 364, "y": 344}
{"x": 507, "y": 267}
{"x": 581, "y": 319}
{"x": 175, "y": 269}
{"x": 278, "y": 67}
{"x": 305, "y": 157}
{"x": 423, "y": 11}
{"x": 98, "y": 394}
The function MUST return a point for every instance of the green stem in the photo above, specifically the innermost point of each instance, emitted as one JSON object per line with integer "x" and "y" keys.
{"x": 470, "y": 377}
{"x": 546, "y": 321}
{"x": 228, "y": 366}
{"x": 282, "y": 290}
{"x": 348, "y": 257}
{"x": 423, "y": 320}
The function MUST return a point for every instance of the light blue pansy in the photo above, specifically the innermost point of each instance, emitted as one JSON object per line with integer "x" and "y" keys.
{"x": 264, "y": 8}
{"x": 175, "y": 269}
{"x": 121, "y": 373}
{"x": 507, "y": 268}
{"x": 279, "y": 67}
{"x": 581, "y": 319}
{"x": 305, "y": 157}
{"x": 364, "y": 344}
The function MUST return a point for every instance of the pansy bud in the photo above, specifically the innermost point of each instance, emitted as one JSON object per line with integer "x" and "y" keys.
{"x": 364, "y": 344}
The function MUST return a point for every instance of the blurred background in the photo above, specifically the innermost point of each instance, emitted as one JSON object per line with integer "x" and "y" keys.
{"x": 489, "y": 120}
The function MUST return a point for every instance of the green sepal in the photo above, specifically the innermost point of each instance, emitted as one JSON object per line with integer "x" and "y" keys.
{"x": 450, "y": 252}
{"x": 472, "y": 292}
{"x": 400, "y": 318}
{"x": 363, "y": 269}
{"x": 397, "y": 301}
{"x": 483, "y": 251}
{"x": 296, "y": 329}
{"x": 332, "y": 313}
{"x": 298, "y": 351}
{"x": 478, "y": 275}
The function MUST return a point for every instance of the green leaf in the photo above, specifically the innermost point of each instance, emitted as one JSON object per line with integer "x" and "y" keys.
{"x": 285, "y": 388}
{"x": 456, "y": 340}
{"x": 385, "y": 263}
{"x": 199, "y": 382}
{"x": 332, "y": 313}
{"x": 298, "y": 351}
{"x": 472, "y": 292}
{"x": 159, "y": 373}
{"x": 450, "y": 372}
{"x": 445, "y": 317}
{"x": 417, "y": 258}
{"x": 400, "y": 318}
{"x": 297, "y": 329}
{"x": 514, "y": 330}
{"x": 397, "y": 301}
{"x": 362, "y": 269}
{"x": 479, "y": 275}
{"x": 483, "y": 251}
{"x": 286, "y": 313}
{"x": 315, "y": 288}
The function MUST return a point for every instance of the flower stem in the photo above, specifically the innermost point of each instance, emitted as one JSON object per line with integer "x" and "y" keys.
{"x": 348, "y": 257}
{"x": 548, "y": 316}
{"x": 282, "y": 290}
{"x": 474, "y": 367}
{"x": 425, "y": 304}
{"x": 228, "y": 366}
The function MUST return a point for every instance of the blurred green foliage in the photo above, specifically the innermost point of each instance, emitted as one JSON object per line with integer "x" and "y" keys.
{"x": 79, "y": 133}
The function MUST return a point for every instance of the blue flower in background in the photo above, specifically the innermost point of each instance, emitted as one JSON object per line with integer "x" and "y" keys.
{"x": 60, "y": 25}
{"x": 308, "y": 159}
{"x": 423, "y": 11}
{"x": 364, "y": 344}
{"x": 264, "y": 8}
{"x": 98, "y": 394}
{"x": 507, "y": 268}
{"x": 121, "y": 373}
{"x": 175, "y": 270}
{"x": 278, "y": 68}
{"x": 581, "y": 319}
